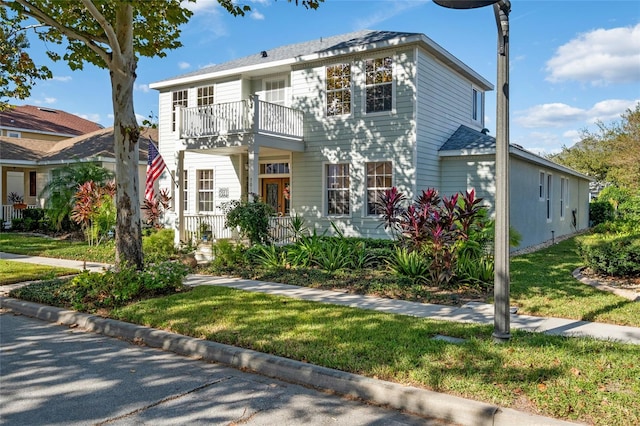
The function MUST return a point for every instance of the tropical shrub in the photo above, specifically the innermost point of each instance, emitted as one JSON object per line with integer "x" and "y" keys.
{"x": 59, "y": 193}
{"x": 227, "y": 255}
{"x": 94, "y": 210}
{"x": 413, "y": 264}
{"x": 432, "y": 223}
{"x": 251, "y": 217}
{"x": 153, "y": 209}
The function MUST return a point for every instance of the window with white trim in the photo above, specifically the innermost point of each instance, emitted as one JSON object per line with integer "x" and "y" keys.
{"x": 541, "y": 187}
{"x": 548, "y": 193}
{"x": 338, "y": 86}
{"x": 477, "y": 112}
{"x": 379, "y": 84}
{"x": 178, "y": 99}
{"x": 205, "y": 95}
{"x": 338, "y": 194}
{"x": 564, "y": 196}
{"x": 274, "y": 91}
{"x": 13, "y": 134}
{"x": 185, "y": 190}
{"x": 379, "y": 176}
{"x": 205, "y": 190}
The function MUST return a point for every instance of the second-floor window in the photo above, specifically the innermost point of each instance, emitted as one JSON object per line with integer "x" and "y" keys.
{"x": 337, "y": 189}
{"x": 379, "y": 84}
{"x": 477, "y": 112}
{"x": 179, "y": 99}
{"x": 338, "y": 86}
{"x": 205, "y": 95}
{"x": 274, "y": 91}
{"x": 378, "y": 180}
{"x": 205, "y": 190}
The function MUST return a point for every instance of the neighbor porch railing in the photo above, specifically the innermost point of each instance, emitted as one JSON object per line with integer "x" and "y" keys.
{"x": 197, "y": 226}
{"x": 247, "y": 116}
{"x": 9, "y": 212}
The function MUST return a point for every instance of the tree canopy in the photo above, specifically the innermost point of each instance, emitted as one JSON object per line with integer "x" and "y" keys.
{"x": 611, "y": 155}
{"x": 110, "y": 34}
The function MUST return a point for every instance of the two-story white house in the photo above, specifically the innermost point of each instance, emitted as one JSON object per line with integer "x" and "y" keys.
{"x": 318, "y": 129}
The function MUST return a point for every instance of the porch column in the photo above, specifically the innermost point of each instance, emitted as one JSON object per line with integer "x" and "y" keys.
{"x": 254, "y": 168}
{"x": 179, "y": 225}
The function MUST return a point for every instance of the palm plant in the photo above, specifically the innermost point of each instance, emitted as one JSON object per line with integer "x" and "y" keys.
{"x": 60, "y": 192}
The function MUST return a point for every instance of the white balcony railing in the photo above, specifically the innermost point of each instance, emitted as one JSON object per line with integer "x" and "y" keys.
{"x": 247, "y": 116}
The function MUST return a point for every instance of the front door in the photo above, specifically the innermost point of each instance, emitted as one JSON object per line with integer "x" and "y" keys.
{"x": 275, "y": 192}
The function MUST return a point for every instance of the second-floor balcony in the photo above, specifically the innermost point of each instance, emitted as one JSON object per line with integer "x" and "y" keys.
{"x": 250, "y": 116}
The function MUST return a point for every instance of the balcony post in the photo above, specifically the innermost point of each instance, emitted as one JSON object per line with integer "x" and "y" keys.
{"x": 179, "y": 225}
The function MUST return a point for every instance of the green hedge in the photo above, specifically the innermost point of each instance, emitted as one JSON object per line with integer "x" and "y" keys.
{"x": 611, "y": 254}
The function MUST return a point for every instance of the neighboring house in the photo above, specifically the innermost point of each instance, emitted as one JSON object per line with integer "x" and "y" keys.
{"x": 26, "y": 165}
{"x": 319, "y": 129}
{"x": 31, "y": 122}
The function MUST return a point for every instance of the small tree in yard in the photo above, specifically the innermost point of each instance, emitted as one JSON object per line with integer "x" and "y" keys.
{"x": 94, "y": 210}
{"x": 252, "y": 217}
{"x": 110, "y": 34}
{"x": 433, "y": 225}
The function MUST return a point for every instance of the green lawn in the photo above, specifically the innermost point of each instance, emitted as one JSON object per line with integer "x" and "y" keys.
{"x": 585, "y": 380}
{"x": 15, "y": 272}
{"x": 62, "y": 249}
{"x": 578, "y": 379}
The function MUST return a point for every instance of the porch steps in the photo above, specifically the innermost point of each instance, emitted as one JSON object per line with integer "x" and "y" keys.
{"x": 204, "y": 253}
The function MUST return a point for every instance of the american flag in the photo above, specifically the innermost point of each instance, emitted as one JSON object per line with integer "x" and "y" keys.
{"x": 155, "y": 167}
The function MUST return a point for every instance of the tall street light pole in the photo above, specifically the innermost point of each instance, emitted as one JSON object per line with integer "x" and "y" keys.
{"x": 501, "y": 8}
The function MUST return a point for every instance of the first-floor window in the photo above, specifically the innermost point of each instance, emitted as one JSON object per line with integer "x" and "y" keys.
{"x": 541, "y": 187}
{"x": 564, "y": 195}
{"x": 378, "y": 180}
{"x": 205, "y": 190}
{"x": 337, "y": 189}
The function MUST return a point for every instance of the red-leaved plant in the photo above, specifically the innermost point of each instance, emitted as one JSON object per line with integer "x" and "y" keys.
{"x": 89, "y": 201}
{"x": 432, "y": 224}
{"x": 153, "y": 209}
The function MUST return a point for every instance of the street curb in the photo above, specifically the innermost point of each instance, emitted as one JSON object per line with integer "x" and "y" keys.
{"x": 411, "y": 399}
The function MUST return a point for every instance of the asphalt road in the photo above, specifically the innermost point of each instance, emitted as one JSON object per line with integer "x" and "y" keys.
{"x": 56, "y": 375}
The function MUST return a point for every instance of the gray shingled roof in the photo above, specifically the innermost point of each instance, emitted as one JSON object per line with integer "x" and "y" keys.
{"x": 94, "y": 144}
{"x": 321, "y": 45}
{"x": 467, "y": 138}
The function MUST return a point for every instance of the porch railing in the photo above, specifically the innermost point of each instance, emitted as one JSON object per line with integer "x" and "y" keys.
{"x": 246, "y": 116}
{"x": 212, "y": 227}
{"x": 9, "y": 213}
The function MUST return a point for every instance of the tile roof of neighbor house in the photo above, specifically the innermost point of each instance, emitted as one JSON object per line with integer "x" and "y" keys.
{"x": 95, "y": 144}
{"x": 46, "y": 120}
{"x": 325, "y": 44}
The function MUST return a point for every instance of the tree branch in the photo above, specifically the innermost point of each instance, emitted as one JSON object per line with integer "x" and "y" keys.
{"x": 106, "y": 26}
{"x": 87, "y": 39}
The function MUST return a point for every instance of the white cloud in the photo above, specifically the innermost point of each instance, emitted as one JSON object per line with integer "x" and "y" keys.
{"x": 386, "y": 10}
{"x": 557, "y": 115}
{"x": 62, "y": 78}
{"x": 257, "y": 15}
{"x": 144, "y": 88}
{"x": 91, "y": 117}
{"x": 184, "y": 65}
{"x": 599, "y": 57}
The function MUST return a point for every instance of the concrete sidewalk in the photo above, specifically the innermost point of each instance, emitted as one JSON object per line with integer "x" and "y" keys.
{"x": 419, "y": 401}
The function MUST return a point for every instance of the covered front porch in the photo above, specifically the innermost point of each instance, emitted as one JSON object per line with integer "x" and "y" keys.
{"x": 259, "y": 139}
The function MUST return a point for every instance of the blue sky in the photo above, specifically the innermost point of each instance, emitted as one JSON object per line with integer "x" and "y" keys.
{"x": 572, "y": 62}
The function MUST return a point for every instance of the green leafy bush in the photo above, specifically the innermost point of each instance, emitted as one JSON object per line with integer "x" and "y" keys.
{"x": 89, "y": 291}
{"x": 600, "y": 212}
{"x": 159, "y": 246}
{"x": 252, "y": 217}
{"x": 227, "y": 255}
{"x": 611, "y": 254}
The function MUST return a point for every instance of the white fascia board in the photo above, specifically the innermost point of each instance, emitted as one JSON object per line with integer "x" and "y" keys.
{"x": 517, "y": 152}
{"x": 9, "y": 163}
{"x": 40, "y": 132}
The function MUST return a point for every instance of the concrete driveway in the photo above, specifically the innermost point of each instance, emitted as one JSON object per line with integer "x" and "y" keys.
{"x": 56, "y": 375}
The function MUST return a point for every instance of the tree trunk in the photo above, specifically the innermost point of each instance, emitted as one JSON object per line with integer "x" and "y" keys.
{"x": 126, "y": 133}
